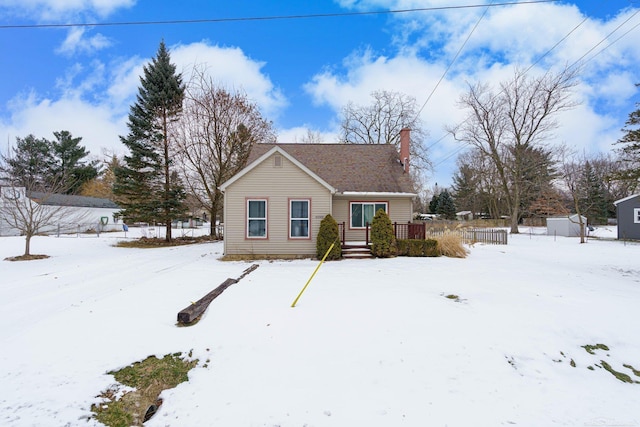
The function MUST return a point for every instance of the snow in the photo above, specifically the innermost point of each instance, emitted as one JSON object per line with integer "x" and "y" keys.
{"x": 370, "y": 343}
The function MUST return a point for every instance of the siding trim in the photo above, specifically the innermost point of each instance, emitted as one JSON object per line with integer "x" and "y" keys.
{"x": 268, "y": 154}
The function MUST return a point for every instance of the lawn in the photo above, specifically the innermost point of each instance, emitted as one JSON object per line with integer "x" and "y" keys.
{"x": 510, "y": 335}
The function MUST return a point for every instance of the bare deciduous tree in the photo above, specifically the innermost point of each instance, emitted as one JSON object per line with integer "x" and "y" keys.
{"x": 215, "y": 135}
{"x": 381, "y": 123}
{"x": 24, "y": 205}
{"x": 572, "y": 172}
{"x": 507, "y": 127}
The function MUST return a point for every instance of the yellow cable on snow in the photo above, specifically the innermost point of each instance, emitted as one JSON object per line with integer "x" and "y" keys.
{"x": 314, "y": 273}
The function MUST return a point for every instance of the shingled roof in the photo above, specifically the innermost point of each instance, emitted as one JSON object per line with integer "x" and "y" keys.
{"x": 71, "y": 201}
{"x": 362, "y": 168}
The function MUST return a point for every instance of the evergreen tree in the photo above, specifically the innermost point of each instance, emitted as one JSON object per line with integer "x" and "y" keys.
{"x": 593, "y": 202}
{"x": 328, "y": 234}
{"x": 466, "y": 189}
{"x": 69, "y": 167}
{"x": 433, "y": 204}
{"x": 147, "y": 186}
{"x": 383, "y": 239}
{"x": 30, "y": 164}
{"x": 630, "y": 152}
{"x": 446, "y": 207}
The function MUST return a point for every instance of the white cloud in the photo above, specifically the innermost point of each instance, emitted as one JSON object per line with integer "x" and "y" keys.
{"x": 506, "y": 38}
{"x": 94, "y": 98}
{"x": 300, "y": 134}
{"x": 231, "y": 69}
{"x": 76, "y": 42}
{"x": 98, "y": 125}
{"x": 46, "y": 10}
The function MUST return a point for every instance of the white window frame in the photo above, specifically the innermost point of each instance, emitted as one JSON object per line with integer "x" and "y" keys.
{"x": 265, "y": 219}
{"x": 307, "y": 218}
{"x": 363, "y": 225}
{"x": 636, "y": 215}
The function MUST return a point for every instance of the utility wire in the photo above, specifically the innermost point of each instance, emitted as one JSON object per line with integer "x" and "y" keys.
{"x": 454, "y": 59}
{"x": 604, "y": 39}
{"x": 270, "y": 18}
{"x": 571, "y": 66}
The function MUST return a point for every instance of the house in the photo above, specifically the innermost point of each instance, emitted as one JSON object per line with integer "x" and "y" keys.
{"x": 464, "y": 216}
{"x": 72, "y": 211}
{"x": 273, "y": 207}
{"x": 628, "y": 214}
{"x": 567, "y": 226}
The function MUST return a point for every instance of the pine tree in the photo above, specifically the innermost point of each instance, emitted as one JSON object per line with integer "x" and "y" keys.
{"x": 593, "y": 203}
{"x": 147, "y": 185}
{"x": 433, "y": 204}
{"x": 630, "y": 152}
{"x": 446, "y": 208}
{"x": 30, "y": 164}
{"x": 69, "y": 167}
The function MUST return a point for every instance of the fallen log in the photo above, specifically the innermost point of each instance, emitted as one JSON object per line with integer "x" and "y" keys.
{"x": 190, "y": 315}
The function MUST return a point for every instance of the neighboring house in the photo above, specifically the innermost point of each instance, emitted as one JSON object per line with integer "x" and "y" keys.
{"x": 273, "y": 207}
{"x": 77, "y": 211}
{"x": 567, "y": 226}
{"x": 464, "y": 215}
{"x": 628, "y": 214}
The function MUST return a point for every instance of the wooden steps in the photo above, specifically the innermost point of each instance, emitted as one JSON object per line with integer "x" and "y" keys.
{"x": 356, "y": 251}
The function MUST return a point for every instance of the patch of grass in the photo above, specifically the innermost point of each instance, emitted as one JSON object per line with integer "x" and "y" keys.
{"x": 452, "y": 296}
{"x": 147, "y": 379}
{"x": 635, "y": 371}
{"x": 26, "y": 257}
{"x": 619, "y": 375}
{"x": 572, "y": 363}
{"x": 590, "y": 348}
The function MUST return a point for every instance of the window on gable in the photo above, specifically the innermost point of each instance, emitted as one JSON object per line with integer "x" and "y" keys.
{"x": 257, "y": 218}
{"x": 299, "y": 219}
{"x": 636, "y": 215}
{"x": 362, "y": 213}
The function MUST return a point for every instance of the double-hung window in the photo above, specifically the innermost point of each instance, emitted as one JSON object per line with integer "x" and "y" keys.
{"x": 257, "y": 219}
{"x": 299, "y": 219}
{"x": 362, "y": 213}
{"x": 636, "y": 215}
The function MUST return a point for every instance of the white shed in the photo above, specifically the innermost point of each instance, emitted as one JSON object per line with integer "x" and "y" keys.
{"x": 567, "y": 226}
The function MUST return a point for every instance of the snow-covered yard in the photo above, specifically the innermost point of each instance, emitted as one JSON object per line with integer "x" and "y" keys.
{"x": 370, "y": 343}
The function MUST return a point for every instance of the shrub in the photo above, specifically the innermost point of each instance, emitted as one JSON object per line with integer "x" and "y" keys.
{"x": 383, "y": 239}
{"x": 416, "y": 247}
{"x": 403, "y": 247}
{"x": 327, "y": 235}
{"x": 431, "y": 248}
{"x": 450, "y": 245}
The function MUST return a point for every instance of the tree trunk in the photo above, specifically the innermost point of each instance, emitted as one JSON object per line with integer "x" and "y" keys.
{"x": 515, "y": 213}
{"x": 27, "y": 244}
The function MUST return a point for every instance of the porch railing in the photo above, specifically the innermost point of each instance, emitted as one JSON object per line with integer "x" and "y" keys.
{"x": 419, "y": 231}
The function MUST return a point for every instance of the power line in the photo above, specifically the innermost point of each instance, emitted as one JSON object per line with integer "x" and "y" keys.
{"x": 574, "y": 64}
{"x": 269, "y": 18}
{"x": 604, "y": 39}
{"x": 454, "y": 59}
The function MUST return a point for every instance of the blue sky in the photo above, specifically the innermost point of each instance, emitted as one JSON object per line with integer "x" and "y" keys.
{"x": 301, "y": 72}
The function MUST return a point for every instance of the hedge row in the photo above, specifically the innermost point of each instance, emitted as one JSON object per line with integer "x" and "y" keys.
{"x": 417, "y": 248}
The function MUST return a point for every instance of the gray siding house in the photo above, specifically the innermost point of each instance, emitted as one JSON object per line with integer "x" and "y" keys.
{"x": 628, "y": 213}
{"x": 273, "y": 207}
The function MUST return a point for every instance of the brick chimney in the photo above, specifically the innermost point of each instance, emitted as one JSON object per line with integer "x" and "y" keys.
{"x": 405, "y": 137}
